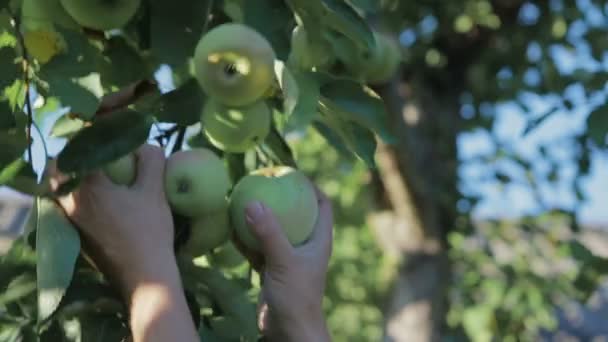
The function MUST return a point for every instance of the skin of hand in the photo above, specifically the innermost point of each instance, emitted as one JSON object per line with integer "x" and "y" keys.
{"x": 128, "y": 232}
{"x": 293, "y": 278}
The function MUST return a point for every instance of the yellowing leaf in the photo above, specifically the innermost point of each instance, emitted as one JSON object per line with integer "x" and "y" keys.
{"x": 43, "y": 44}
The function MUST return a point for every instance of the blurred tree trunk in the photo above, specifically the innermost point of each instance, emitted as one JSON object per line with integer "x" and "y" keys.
{"x": 417, "y": 192}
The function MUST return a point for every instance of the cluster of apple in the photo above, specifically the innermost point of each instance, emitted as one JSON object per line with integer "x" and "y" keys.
{"x": 234, "y": 65}
{"x": 197, "y": 185}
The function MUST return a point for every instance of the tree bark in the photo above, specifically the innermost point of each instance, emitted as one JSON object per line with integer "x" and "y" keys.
{"x": 417, "y": 182}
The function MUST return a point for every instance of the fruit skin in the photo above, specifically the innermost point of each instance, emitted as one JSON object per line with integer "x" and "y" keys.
{"x": 236, "y": 129}
{"x": 101, "y": 14}
{"x": 196, "y": 182}
{"x": 379, "y": 64}
{"x": 207, "y": 233}
{"x": 234, "y": 64}
{"x": 307, "y": 55}
{"x": 385, "y": 67}
{"x": 122, "y": 171}
{"x": 287, "y": 192}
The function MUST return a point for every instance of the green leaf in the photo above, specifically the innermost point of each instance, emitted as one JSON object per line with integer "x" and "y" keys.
{"x": 79, "y": 59}
{"x": 11, "y": 171}
{"x": 232, "y": 298}
{"x": 332, "y": 138}
{"x": 176, "y": 28}
{"x": 597, "y": 125}
{"x": 182, "y": 106}
{"x": 15, "y": 94}
{"x": 207, "y": 335}
{"x": 122, "y": 64}
{"x": 256, "y": 14}
{"x": 307, "y": 106}
{"x": 50, "y": 107}
{"x": 82, "y": 95}
{"x": 18, "y": 288}
{"x": 66, "y": 126}
{"x": 341, "y": 17}
{"x": 279, "y": 148}
{"x": 57, "y": 249}
{"x": 25, "y": 180}
{"x": 109, "y": 138}
{"x": 358, "y": 139}
{"x": 7, "y": 119}
{"x": 103, "y": 328}
{"x": 10, "y": 70}
{"x": 356, "y": 102}
{"x": 289, "y": 87}
{"x": 14, "y": 143}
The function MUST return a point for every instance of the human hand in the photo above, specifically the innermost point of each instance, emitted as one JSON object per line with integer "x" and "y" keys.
{"x": 293, "y": 277}
{"x": 128, "y": 231}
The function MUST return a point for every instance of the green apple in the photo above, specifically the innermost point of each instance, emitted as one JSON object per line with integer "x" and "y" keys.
{"x": 101, "y": 14}
{"x": 307, "y": 55}
{"x": 379, "y": 64}
{"x": 236, "y": 129}
{"x": 207, "y": 233}
{"x": 122, "y": 171}
{"x": 196, "y": 182}
{"x": 387, "y": 60}
{"x": 227, "y": 256}
{"x": 234, "y": 64}
{"x": 287, "y": 192}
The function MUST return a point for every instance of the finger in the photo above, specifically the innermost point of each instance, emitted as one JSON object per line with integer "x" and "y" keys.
{"x": 150, "y": 168}
{"x": 265, "y": 227}
{"x": 322, "y": 235}
{"x": 96, "y": 180}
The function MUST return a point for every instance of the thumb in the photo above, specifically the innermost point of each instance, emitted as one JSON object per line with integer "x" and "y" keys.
{"x": 266, "y": 228}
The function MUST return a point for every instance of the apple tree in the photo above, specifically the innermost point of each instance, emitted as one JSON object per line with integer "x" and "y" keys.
{"x": 215, "y": 83}
{"x": 109, "y": 76}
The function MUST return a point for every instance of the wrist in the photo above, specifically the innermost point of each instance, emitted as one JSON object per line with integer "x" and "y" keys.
{"x": 158, "y": 269}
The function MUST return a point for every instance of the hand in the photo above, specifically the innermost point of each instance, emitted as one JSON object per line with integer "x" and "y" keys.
{"x": 127, "y": 230}
{"x": 129, "y": 233}
{"x": 293, "y": 277}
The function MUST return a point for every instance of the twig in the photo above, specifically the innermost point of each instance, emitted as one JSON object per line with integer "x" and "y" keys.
{"x": 180, "y": 140}
{"x": 28, "y": 103}
{"x": 207, "y": 15}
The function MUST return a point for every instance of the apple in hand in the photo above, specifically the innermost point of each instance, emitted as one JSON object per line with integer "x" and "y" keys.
{"x": 196, "y": 182}
{"x": 236, "y": 129}
{"x": 101, "y": 14}
{"x": 289, "y": 195}
{"x": 234, "y": 64}
{"x": 122, "y": 171}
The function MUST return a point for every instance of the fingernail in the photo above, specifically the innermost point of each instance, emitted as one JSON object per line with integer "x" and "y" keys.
{"x": 254, "y": 212}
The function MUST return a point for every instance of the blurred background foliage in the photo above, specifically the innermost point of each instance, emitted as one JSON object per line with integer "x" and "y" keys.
{"x": 529, "y": 77}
